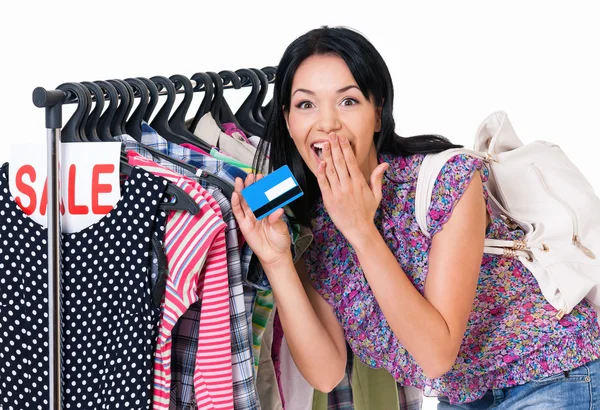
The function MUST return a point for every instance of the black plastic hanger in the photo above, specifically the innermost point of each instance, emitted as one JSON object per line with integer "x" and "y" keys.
{"x": 264, "y": 87}
{"x": 160, "y": 123}
{"x": 71, "y": 132}
{"x": 116, "y": 127}
{"x": 226, "y": 114}
{"x": 177, "y": 120}
{"x": 203, "y": 83}
{"x": 103, "y": 127}
{"x": 229, "y": 77}
{"x": 129, "y": 107}
{"x": 226, "y": 187}
{"x": 153, "y": 91}
{"x": 218, "y": 99}
{"x": 87, "y": 96}
{"x": 245, "y": 113}
{"x": 91, "y": 125}
{"x": 271, "y": 72}
{"x": 158, "y": 290}
{"x": 133, "y": 125}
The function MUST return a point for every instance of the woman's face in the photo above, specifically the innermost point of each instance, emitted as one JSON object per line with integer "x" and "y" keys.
{"x": 326, "y": 98}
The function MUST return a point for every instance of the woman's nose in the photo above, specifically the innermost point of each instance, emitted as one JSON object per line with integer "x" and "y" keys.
{"x": 328, "y": 121}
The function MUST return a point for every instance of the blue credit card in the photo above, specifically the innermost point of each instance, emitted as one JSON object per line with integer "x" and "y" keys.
{"x": 272, "y": 192}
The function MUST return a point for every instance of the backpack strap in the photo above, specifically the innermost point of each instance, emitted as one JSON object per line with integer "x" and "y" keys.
{"x": 430, "y": 168}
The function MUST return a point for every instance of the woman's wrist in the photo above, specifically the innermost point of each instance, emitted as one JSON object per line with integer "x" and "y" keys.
{"x": 285, "y": 262}
{"x": 362, "y": 239}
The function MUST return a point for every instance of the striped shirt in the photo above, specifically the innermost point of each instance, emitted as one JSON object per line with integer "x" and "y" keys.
{"x": 185, "y": 336}
{"x": 193, "y": 242}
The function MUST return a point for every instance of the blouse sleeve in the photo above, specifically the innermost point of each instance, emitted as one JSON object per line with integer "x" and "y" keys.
{"x": 451, "y": 183}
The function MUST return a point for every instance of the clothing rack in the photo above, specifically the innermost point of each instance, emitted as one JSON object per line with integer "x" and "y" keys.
{"x": 52, "y": 101}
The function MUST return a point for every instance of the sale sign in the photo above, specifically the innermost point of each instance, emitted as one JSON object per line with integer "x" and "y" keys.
{"x": 89, "y": 182}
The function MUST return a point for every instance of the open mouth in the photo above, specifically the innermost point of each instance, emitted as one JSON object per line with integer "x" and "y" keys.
{"x": 317, "y": 148}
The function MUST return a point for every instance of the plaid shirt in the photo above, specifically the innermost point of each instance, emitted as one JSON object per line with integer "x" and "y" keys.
{"x": 217, "y": 167}
{"x": 185, "y": 339}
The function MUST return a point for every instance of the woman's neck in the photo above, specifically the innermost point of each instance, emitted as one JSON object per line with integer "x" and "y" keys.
{"x": 370, "y": 164}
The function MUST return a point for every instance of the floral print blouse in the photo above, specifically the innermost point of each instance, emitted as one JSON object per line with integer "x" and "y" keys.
{"x": 512, "y": 334}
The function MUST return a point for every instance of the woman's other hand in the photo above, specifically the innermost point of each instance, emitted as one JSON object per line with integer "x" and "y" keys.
{"x": 268, "y": 238}
{"x": 350, "y": 201}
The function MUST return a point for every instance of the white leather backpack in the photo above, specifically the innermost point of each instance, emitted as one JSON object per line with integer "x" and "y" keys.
{"x": 537, "y": 188}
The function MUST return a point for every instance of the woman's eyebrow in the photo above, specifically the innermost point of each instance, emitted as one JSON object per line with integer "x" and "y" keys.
{"x": 304, "y": 90}
{"x": 346, "y": 88}
{"x": 341, "y": 90}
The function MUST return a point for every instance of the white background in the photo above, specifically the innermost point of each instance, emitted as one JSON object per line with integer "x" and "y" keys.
{"x": 453, "y": 63}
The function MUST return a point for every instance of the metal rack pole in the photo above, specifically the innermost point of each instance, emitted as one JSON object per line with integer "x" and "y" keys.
{"x": 52, "y": 101}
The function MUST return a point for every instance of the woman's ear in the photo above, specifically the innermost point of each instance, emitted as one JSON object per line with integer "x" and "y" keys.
{"x": 286, "y": 115}
{"x": 378, "y": 119}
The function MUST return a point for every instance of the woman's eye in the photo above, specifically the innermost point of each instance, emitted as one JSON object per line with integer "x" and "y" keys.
{"x": 349, "y": 101}
{"x": 304, "y": 105}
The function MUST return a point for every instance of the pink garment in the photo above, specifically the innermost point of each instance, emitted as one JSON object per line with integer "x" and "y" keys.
{"x": 195, "y": 148}
{"x": 233, "y": 131}
{"x": 276, "y": 352}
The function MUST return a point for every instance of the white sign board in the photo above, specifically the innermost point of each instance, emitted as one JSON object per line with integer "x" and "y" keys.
{"x": 89, "y": 183}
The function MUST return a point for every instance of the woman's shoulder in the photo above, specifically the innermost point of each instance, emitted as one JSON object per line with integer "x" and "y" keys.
{"x": 406, "y": 168}
{"x": 402, "y": 168}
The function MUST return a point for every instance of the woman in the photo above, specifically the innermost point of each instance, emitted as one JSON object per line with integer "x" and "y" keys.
{"x": 436, "y": 313}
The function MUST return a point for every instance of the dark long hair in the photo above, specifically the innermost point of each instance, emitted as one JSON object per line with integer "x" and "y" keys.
{"x": 374, "y": 80}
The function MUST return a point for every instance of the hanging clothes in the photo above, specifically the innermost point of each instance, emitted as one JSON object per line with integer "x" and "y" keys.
{"x": 108, "y": 321}
{"x": 212, "y": 376}
{"x": 184, "y": 345}
{"x": 295, "y": 390}
{"x": 233, "y": 131}
{"x": 365, "y": 388}
{"x": 212, "y": 165}
{"x": 231, "y": 161}
{"x": 208, "y": 131}
{"x": 244, "y": 386}
{"x": 266, "y": 381}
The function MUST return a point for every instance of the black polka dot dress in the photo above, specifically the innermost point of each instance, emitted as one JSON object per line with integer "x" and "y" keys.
{"x": 108, "y": 321}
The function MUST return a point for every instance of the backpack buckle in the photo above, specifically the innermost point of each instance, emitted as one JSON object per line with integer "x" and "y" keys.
{"x": 489, "y": 158}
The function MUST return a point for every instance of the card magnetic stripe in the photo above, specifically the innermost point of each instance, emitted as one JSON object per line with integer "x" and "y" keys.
{"x": 281, "y": 200}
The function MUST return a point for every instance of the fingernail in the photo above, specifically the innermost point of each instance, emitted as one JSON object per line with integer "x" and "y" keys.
{"x": 342, "y": 138}
{"x": 332, "y": 136}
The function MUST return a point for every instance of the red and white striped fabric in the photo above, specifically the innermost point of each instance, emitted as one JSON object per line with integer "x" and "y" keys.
{"x": 194, "y": 244}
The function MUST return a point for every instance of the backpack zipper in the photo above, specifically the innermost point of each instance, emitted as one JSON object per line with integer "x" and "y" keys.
{"x": 575, "y": 238}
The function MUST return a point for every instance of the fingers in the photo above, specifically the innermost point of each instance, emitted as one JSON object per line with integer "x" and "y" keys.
{"x": 338, "y": 159}
{"x": 249, "y": 179}
{"x": 376, "y": 180}
{"x": 275, "y": 216}
{"x": 330, "y": 171}
{"x": 322, "y": 179}
{"x": 236, "y": 207}
{"x": 349, "y": 158}
{"x": 241, "y": 202}
{"x": 241, "y": 209}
